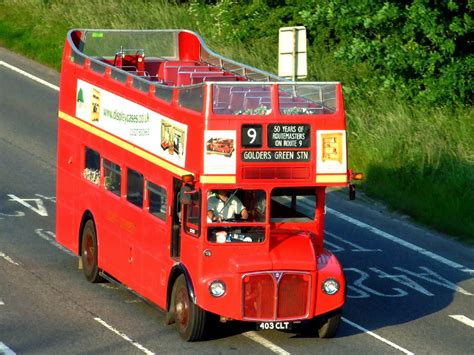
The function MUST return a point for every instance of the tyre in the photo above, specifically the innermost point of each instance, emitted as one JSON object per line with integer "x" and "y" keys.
{"x": 190, "y": 319}
{"x": 89, "y": 253}
{"x": 329, "y": 325}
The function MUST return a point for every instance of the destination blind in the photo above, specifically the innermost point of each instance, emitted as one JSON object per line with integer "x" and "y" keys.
{"x": 288, "y": 135}
{"x": 275, "y": 155}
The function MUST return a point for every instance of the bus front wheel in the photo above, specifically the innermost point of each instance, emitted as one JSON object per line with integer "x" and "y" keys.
{"x": 328, "y": 325}
{"x": 89, "y": 252}
{"x": 189, "y": 317}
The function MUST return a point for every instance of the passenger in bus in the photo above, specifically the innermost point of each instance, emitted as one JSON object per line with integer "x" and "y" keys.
{"x": 257, "y": 205}
{"x": 222, "y": 207}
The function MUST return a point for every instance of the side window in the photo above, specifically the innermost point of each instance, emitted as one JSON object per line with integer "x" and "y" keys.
{"x": 157, "y": 200}
{"x": 192, "y": 221}
{"x": 112, "y": 177}
{"x": 92, "y": 166}
{"x": 135, "y": 187}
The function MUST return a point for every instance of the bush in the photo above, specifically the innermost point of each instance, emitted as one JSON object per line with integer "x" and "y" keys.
{"x": 423, "y": 49}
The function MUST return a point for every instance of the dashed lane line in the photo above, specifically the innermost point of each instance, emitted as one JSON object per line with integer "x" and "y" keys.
{"x": 9, "y": 259}
{"x": 463, "y": 319}
{"x": 125, "y": 337}
{"x": 266, "y": 343}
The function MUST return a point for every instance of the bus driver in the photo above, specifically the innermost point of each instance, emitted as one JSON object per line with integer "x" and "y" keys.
{"x": 221, "y": 207}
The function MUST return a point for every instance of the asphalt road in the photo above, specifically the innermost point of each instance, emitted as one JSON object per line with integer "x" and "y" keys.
{"x": 409, "y": 290}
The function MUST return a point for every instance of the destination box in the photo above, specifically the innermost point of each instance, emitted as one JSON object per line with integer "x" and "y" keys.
{"x": 275, "y": 155}
{"x": 289, "y": 135}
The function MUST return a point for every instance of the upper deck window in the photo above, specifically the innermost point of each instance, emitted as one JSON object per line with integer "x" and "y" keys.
{"x": 307, "y": 99}
{"x": 243, "y": 99}
{"x": 105, "y": 44}
{"x": 191, "y": 98}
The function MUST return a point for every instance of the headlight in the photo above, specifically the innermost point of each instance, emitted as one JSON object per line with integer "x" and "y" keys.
{"x": 217, "y": 288}
{"x": 330, "y": 286}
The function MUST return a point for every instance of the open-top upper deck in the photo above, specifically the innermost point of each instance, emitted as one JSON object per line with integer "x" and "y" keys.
{"x": 164, "y": 92}
{"x": 177, "y": 67}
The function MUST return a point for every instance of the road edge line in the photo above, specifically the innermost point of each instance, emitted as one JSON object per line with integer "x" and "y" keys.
{"x": 28, "y": 75}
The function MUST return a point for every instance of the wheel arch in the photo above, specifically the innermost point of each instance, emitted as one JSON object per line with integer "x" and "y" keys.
{"x": 176, "y": 271}
{"x": 86, "y": 216}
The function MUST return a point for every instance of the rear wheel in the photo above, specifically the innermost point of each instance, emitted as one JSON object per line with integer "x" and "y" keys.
{"x": 89, "y": 252}
{"x": 190, "y": 318}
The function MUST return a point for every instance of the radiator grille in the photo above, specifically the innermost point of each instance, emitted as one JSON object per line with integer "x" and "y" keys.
{"x": 276, "y": 295}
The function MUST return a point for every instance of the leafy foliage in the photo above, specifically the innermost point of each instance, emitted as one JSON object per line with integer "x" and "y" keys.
{"x": 421, "y": 48}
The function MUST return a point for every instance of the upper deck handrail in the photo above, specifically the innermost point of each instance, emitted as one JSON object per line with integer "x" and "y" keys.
{"x": 99, "y": 61}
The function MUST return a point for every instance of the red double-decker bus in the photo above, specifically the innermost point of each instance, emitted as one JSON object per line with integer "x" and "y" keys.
{"x": 199, "y": 182}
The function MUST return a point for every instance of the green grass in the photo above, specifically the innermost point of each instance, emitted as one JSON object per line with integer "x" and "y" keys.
{"x": 418, "y": 160}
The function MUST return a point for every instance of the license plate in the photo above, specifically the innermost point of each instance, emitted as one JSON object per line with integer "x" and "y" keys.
{"x": 274, "y": 325}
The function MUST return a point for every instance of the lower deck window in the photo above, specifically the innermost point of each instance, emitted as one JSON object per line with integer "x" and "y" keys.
{"x": 157, "y": 200}
{"x": 92, "y": 166}
{"x": 135, "y": 187}
{"x": 112, "y": 177}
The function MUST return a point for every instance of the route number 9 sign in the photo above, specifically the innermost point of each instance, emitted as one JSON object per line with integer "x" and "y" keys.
{"x": 251, "y": 136}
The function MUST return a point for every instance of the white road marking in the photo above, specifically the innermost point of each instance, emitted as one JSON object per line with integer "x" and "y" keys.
{"x": 402, "y": 242}
{"x": 433, "y": 277}
{"x": 366, "y": 331}
{"x": 50, "y": 237}
{"x": 40, "y": 209}
{"x": 7, "y": 258}
{"x": 266, "y": 343}
{"x": 355, "y": 247}
{"x": 463, "y": 319}
{"x": 125, "y": 337}
{"x": 28, "y": 75}
{"x": 133, "y": 301}
{"x": 2, "y": 303}
{"x": 5, "y": 350}
{"x": 17, "y": 214}
{"x": 49, "y": 198}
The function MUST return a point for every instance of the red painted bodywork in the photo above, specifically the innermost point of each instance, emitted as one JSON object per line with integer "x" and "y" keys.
{"x": 134, "y": 246}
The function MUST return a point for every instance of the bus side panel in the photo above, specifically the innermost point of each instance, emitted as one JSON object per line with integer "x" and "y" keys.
{"x": 66, "y": 221}
{"x": 154, "y": 259}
